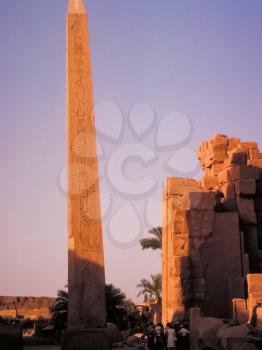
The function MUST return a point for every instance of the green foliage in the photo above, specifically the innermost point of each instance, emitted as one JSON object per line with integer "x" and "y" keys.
{"x": 59, "y": 313}
{"x": 115, "y": 306}
{"x": 152, "y": 290}
{"x": 153, "y": 242}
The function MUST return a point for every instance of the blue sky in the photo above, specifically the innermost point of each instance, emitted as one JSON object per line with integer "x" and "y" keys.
{"x": 199, "y": 58}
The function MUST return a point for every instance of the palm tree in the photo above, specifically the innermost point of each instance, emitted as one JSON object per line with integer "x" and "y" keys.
{"x": 115, "y": 305}
{"x": 61, "y": 300}
{"x": 153, "y": 242}
{"x": 59, "y": 313}
{"x": 151, "y": 289}
{"x": 114, "y": 297}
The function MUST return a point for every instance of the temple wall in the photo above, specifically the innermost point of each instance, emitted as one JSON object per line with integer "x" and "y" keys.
{"x": 212, "y": 230}
{"x": 221, "y": 256}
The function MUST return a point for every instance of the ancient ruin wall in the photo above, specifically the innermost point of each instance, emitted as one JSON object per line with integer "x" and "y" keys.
{"x": 212, "y": 230}
{"x": 27, "y": 307}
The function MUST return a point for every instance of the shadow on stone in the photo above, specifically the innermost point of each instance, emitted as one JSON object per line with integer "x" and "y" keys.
{"x": 87, "y": 327}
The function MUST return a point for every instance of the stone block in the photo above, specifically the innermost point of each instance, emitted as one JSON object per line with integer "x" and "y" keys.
{"x": 244, "y": 172}
{"x": 206, "y": 162}
{"x": 197, "y": 267}
{"x": 194, "y": 314}
{"x": 178, "y": 297}
{"x": 176, "y": 186}
{"x": 259, "y": 255}
{"x": 199, "y": 297}
{"x": 219, "y": 139}
{"x": 181, "y": 262}
{"x": 259, "y": 217}
{"x": 208, "y": 171}
{"x": 180, "y": 227}
{"x": 254, "y": 154}
{"x": 216, "y": 169}
{"x": 252, "y": 240}
{"x": 229, "y": 204}
{"x": 254, "y": 283}
{"x": 195, "y": 244}
{"x": 209, "y": 182}
{"x": 248, "y": 217}
{"x": 256, "y": 296}
{"x": 235, "y": 337}
{"x": 10, "y": 313}
{"x": 228, "y": 190}
{"x": 199, "y": 201}
{"x": 248, "y": 145}
{"x": 180, "y": 221}
{"x": 246, "y": 265}
{"x": 245, "y": 204}
{"x": 181, "y": 245}
{"x": 240, "y": 310}
{"x": 186, "y": 285}
{"x": 259, "y": 187}
{"x": 175, "y": 200}
{"x": 219, "y": 157}
{"x": 91, "y": 339}
{"x": 258, "y": 204}
{"x": 114, "y": 333}
{"x": 245, "y": 187}
{"x": 252, "y": 302}
{"x": 259, "y": 318}
{"x": 236, "y": 287}
{"x": 221, "y": 255}
{"x": 200, "y": 222}
{"x": 259, "y": 236}
{"x": 198, "y": 282}
{"x": 257, "y": 164}
{"x": 233, "y": 143}
{"x": 236, "y": 158}
{"x": 204, "y": 331}
{"x": 225, "y": 176}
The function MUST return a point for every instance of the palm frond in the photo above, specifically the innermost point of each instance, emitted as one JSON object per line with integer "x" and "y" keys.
{"x": 156, "y": 231}
{"x": 152, "y": 288}
{"x": 150, "y": 243}
{"x": 153, "y": 242}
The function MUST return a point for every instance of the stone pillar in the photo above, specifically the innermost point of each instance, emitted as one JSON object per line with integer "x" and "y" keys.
{"x": 176, "y": 282}
{"x": 86, "y": 279}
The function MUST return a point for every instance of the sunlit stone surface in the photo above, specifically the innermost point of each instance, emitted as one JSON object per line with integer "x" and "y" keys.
{"x": 212, "y": 231}
{"x": 86, "y": 280}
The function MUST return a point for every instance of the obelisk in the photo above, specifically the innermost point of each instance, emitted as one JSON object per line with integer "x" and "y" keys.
{"x": 86, "y": 278}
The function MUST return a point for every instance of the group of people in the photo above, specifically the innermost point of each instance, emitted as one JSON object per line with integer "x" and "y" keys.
{"x": 172, "y": 337}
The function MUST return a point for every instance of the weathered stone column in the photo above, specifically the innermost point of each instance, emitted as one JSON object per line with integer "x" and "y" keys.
{"x": 176, "y": 274}
{"x": 86, "y": 279}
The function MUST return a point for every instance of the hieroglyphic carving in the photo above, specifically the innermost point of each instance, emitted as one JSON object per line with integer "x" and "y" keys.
{"x": 84, "y": 219}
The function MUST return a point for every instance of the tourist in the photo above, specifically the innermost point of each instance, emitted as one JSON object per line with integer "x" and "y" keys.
{"x": 160, "y": 336}
{"x": 171, "y": 337}
{"x": 151, "y": 334}
{"x": 183, "y": 337}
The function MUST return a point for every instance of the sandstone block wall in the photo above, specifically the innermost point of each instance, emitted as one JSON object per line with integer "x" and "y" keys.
{"x": 28, "y": 307}
{"x": 212, "y": 230}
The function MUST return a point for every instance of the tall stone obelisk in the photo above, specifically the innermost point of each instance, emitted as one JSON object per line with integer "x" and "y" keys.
{"x": 86, "y": 279}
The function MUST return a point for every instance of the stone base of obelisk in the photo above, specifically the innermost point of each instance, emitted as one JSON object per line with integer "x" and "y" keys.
{"x": 87, "y": 339}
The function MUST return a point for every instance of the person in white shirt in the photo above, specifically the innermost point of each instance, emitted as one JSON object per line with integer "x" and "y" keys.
{"x": 183, "y": 335}
{"x": 171, "y": 337}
